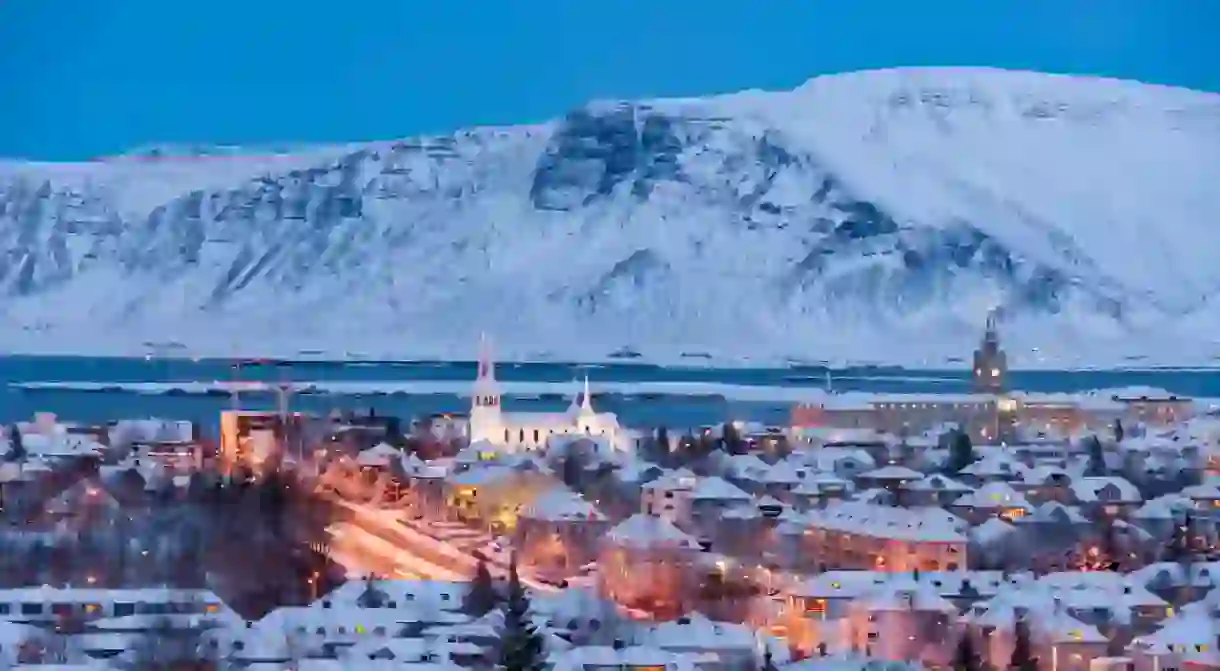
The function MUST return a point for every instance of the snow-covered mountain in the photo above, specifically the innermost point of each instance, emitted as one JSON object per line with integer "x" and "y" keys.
{"x": 869, "y": 216}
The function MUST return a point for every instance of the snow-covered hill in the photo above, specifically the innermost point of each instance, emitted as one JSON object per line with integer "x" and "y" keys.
{"x": 868, "y": 216}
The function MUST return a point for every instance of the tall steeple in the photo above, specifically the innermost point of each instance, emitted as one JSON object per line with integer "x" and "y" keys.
{"x": 586, "y": 400}
{"x": 485, "y": 421}
{"x": 990, "y": 362}
{"x": 990, "y": 336}
{"x": 487, "y": 367}
{"x": 486, "y": 391}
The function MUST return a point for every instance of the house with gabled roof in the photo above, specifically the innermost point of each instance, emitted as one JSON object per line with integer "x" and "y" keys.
{"x": 934, "y": 490}
{"x": 994, "y": 466}
{"x": 992, "y": 499}
{"x": 1045, "y": 482}
{"x": 559, "y": 531}
{"x": 83, "y": 503}
{"x": 647, "y": 562}
{"x": 1106, "y": 496}
{"x": 820, "y": 488}
{"x": 868, "y": 536}
{"x": 668, "y": 496}
{"x": 709, "y": 499}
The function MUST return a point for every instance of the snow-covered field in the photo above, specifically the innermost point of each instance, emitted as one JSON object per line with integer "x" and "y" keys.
{"x": 865, "y": 217}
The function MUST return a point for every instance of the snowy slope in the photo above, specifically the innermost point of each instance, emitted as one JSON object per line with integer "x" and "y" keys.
{"x": 868, "y": 216}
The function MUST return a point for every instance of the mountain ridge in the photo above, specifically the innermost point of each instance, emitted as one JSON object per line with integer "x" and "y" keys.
{"x": 845, "y": 219}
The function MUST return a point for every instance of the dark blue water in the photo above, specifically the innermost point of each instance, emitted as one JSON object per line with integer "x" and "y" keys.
{"x": 634, "y": 410}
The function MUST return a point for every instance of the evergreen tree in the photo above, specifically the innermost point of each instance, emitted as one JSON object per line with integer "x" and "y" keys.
{"x": 1097, "y": 458}
{"x": 1111, "y": 548}
{"x": 1178, "y": 549}
{"x": 732, "y": 438}
{"x": 1022, "y": 651}
{"x": 393, "y": 431}
{"x": 968, "y": 591}
{"x": 273, "y": 500}
{"x": 482, "y": 596}
{"x": 966, "y": 659}
{"x": 520, "y": 642}
{"x": 961, "y": 451}
{"x": 657, "y": 449}
{"x": 371, "y": 597}
{"x": 572, "y": 470}
{"x": 17, "y": 451}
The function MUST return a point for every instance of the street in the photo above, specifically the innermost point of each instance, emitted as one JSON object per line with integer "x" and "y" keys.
{"x": 382, "y": 542}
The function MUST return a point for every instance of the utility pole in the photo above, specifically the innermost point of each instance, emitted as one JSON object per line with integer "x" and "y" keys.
{"x": 284, "y": 397}
{"x": 233, "y": 398}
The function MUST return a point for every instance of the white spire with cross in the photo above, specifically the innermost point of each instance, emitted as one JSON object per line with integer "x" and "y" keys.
{"x": 487, "y": 368}
{"x": 485, "y": 418}
{"x": 586, "y": 403}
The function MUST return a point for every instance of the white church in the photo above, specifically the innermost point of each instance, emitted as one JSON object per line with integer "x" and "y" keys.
{"x": 517, "y": 431}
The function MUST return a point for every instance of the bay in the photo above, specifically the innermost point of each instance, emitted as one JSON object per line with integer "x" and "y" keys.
{"x": 641, "y": 410}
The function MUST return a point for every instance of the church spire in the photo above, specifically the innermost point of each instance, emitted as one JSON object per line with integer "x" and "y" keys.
{"x": 991, "y": 335}
{"x": 990, "y": 363}
{"x": 487, "y": 368}
{"x": 586, "y": 403}
{"x": 486, "y": 391}
{"x": 485, "y": 419}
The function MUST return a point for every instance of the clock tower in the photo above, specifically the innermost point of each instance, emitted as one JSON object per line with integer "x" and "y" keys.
{"x": 990, "y": 363}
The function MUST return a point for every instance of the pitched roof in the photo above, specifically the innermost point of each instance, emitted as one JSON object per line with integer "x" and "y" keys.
{"x": 644, "y": 531}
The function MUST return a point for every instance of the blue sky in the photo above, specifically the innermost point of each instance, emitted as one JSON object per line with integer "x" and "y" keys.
{"x": 82, "y": 78}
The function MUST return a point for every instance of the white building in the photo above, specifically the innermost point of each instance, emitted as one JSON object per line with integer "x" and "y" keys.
{"x": 532, "y": 430}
